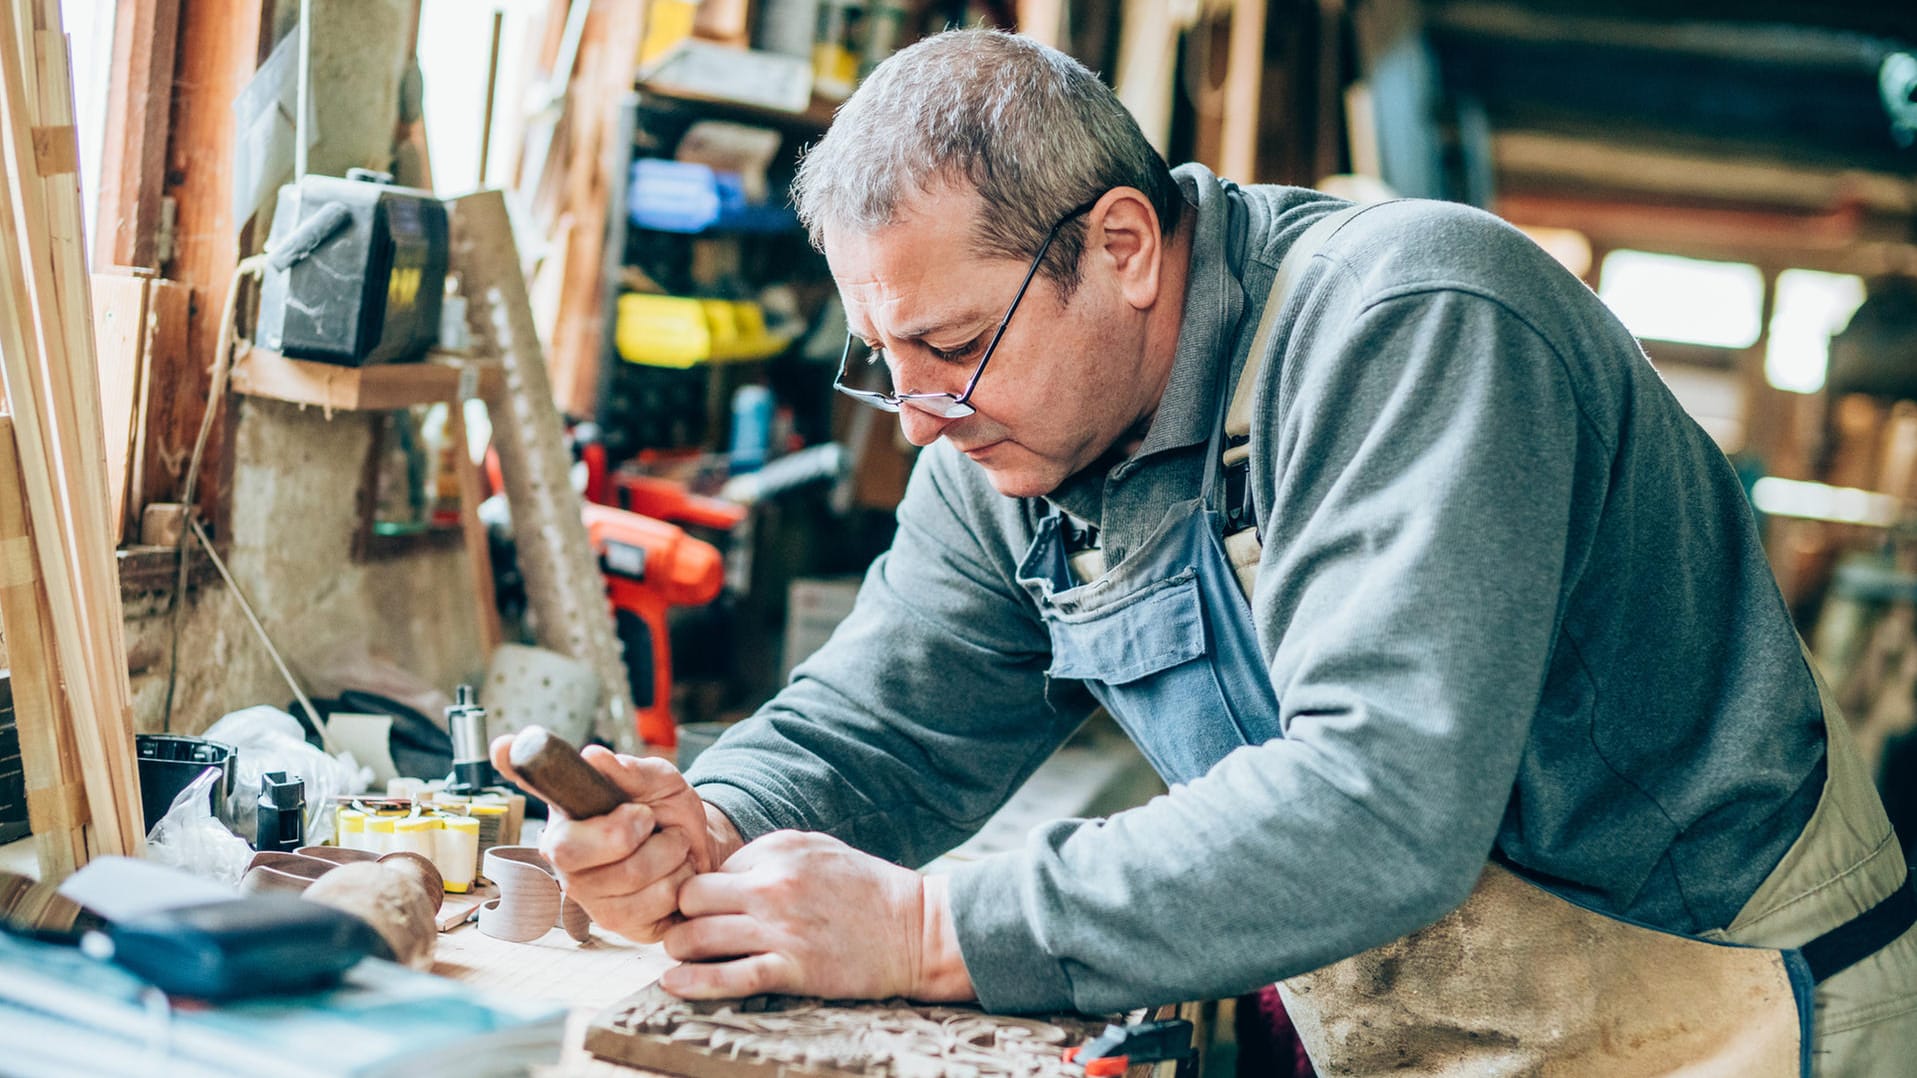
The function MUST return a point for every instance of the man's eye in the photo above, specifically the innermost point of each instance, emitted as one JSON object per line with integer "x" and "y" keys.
{"x": 874, "y": 355}
{"x": 952, "y": 354}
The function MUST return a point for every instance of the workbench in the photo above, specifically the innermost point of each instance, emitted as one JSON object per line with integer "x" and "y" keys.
{"x": 587, "y": 977}
{"x": 1097, "y": 773}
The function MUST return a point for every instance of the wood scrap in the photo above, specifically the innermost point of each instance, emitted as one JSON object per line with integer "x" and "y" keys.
{"x": 799, "y": 1037}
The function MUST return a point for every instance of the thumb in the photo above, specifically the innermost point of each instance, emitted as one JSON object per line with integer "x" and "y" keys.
{"x": 658, "y": 784}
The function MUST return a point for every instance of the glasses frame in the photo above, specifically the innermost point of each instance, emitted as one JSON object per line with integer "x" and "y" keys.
{"x": 957, "y": 405}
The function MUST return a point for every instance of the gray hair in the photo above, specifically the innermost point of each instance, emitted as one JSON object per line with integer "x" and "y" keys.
{"x": 1030, "y": 129}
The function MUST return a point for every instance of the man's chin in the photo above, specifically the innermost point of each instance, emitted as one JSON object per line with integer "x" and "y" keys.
{"x": 1019, "y": 482}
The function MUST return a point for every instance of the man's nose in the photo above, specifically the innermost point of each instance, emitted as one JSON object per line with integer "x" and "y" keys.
{"x": 921, "y": 427}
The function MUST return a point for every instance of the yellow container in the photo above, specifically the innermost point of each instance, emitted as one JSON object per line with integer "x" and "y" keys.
{"x": 416, "y": 834}
{"x": 379, "y": 834}
{"x": 350, "y": 828}
{"x": 681, "y": 332}
{"x": 457, "y": 852}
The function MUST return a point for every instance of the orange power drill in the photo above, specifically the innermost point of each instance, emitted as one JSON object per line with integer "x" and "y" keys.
{"x": 651, "y": 566}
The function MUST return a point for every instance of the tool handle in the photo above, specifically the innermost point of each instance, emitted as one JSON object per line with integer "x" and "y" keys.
{"x": 563, "y": 777}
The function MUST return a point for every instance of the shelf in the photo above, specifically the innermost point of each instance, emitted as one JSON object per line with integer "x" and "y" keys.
{"x": 813, "y": 121}
{"x": 381, "y": 387}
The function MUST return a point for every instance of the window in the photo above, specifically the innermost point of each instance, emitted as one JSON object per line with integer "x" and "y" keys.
{"x": 1810, "y": 306}
{"x": 1667, "y": 298}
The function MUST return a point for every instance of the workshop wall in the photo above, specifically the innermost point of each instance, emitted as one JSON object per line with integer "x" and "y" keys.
{"x": 296, "y": 475}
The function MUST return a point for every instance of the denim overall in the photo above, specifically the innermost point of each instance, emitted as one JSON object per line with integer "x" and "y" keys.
{"x": 1165, "y": 641}
{"x": 1166, "y": 632}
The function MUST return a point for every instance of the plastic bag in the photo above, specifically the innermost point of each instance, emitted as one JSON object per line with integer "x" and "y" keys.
{"x": 189, "y": 837}
{"x": 268, "y": 739}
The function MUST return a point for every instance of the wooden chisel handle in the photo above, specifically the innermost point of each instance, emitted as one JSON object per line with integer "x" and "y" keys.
{"x": 563, "y": 777}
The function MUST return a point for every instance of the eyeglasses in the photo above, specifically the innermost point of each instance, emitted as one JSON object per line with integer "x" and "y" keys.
{"x": 943, "y": 405}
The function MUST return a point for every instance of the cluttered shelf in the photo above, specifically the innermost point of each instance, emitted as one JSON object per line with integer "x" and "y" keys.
{"x": 441, "y": 376}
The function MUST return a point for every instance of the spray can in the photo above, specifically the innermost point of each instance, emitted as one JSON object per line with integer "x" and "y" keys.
{"x": 466, "y": 722}
{"x": 751, "y": 428}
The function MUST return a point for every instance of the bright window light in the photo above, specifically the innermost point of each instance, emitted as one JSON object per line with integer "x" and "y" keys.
{"x": 1810, "y": 307}
{"x": 1667, "y": 298}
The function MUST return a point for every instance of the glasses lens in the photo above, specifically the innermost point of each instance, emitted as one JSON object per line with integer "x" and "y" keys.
{"x": 868, "y": 379}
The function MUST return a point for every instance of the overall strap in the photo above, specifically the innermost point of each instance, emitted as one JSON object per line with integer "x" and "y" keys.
{"x": 1242, "y": 544}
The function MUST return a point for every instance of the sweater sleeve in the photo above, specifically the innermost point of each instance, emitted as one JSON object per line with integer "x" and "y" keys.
{"x": 927, "y": 707}
{"x": 1415, "y": 470}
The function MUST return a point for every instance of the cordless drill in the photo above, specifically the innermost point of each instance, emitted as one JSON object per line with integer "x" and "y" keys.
{"x": 650, "y": 567}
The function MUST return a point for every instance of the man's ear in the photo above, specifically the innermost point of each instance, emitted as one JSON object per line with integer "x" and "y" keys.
{"x": 1122, "y": 234}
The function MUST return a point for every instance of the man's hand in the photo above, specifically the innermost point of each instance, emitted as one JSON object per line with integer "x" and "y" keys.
{"x": 803, "y": 913}
{"x": 626, "y": 867}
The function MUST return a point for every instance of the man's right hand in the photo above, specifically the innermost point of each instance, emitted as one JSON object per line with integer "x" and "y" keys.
{"x": 626, "y": 867}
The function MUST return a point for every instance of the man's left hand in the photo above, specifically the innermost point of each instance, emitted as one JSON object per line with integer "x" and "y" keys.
{"x": 805, "y": 914}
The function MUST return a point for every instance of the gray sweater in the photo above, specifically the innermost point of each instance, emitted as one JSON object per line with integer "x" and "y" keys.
{"x": 1512, "y": 603}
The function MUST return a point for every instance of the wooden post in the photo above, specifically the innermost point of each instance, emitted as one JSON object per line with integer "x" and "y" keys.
{"x": 220, "y": 46}
{"x": 133, "y": 159}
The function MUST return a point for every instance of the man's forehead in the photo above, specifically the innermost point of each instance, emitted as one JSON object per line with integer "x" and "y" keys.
{"x": 915, "y": 276}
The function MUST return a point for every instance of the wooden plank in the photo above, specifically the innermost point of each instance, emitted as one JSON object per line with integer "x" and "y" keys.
{"x": 121, "y": 335}
{"x": 611, "y": 40}
{"x": 1148, "y": 39}
{"x": 262, "y": 372}
{"x": 1244, "y": 74}
{"x": 94, "y": 534}
{"x": 56, "y": 803}
{"x": 1044, "y": 22}
{"x": 133, "y": 157}
{"x": 169, "y": 309}
{"x": 51, "y": 384}
{"x": 220, "y": 45}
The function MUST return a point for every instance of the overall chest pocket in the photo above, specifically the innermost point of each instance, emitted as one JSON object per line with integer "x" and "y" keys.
{"x": 1130, "y": 637}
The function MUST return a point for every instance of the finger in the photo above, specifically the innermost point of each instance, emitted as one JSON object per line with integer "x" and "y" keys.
{"x": 700, "y": 939}
{"x": 662, "y": 856}
{"x": 749, "y": 976}
{"x": 573, "y": 846}
{"x": 711, "y": 893}
{"x": 501, "y": 751}
{"x": 644, "y": 778}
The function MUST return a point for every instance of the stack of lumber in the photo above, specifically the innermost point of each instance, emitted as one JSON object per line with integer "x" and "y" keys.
{"x": 59, "y": 586}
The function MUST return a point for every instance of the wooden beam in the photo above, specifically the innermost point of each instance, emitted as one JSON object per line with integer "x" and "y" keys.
{"x": 133, "y": 156}
{"x": 221, "y": 43}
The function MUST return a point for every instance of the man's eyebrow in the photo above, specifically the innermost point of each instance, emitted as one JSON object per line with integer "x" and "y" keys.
{"x": 942, "y": 324}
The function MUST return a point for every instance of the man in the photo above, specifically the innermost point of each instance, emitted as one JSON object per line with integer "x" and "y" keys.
{"x": 1511, "y": 736}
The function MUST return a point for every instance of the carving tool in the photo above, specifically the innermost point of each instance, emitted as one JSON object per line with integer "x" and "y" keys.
{"x": 555, "y": 769}
{"x": 1114, "y": 1051}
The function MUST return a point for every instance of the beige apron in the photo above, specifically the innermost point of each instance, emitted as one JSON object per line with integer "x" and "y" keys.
{"x": 1519, "y": 981}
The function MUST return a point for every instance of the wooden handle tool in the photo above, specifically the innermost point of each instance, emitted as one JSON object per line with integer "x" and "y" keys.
{"x": 563, "y": 777}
